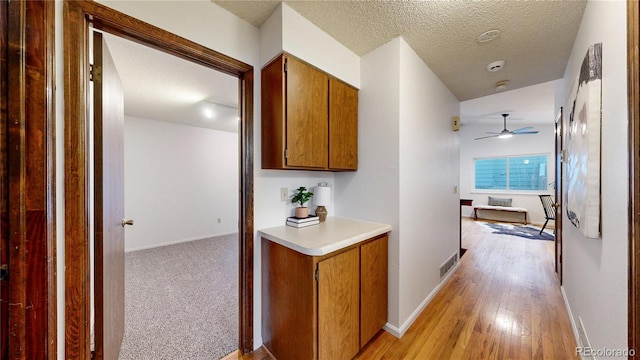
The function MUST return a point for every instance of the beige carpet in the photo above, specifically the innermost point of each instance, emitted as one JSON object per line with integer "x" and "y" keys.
{"x": 181, "y": 301}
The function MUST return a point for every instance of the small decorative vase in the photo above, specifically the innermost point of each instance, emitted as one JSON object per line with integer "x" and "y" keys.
{"x": 321, "y": 211}
{"x": 302, "y": 212}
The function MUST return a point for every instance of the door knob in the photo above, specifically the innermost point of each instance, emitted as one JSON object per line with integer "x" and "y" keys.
{"x": 127, "y": 222}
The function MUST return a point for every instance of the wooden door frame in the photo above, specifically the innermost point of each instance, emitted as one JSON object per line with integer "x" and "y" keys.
{"x": 558, "y": 246}
{"x": 27, "y": 189}
{"x": 78, "y": 17}
{"x": 633, "y": 77}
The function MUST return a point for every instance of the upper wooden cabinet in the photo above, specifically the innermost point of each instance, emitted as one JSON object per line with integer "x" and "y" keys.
{"x": 343, "y": 126}
{"x": 309, "y": 119}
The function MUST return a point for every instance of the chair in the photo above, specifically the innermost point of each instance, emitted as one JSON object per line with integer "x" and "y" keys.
{"x": 549, "y": 209}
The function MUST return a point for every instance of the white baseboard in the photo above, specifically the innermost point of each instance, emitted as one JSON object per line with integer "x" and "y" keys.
{"x": 146, "y": 247}
{"x": 574, "y": 327}
{"x": 399, "y": 332}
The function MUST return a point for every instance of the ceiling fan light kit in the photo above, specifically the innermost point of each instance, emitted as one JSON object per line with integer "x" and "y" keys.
{"x": 505, "y": 133}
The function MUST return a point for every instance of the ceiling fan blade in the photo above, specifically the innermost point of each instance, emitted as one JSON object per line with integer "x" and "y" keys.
{"x": 525, "y": 132}
{"x": 492, "y": 133}
{"x": 486, "y": 137}
{"x": 524, "y": 128}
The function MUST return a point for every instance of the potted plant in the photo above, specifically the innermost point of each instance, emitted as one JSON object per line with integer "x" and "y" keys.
{"x": 301, "y": 196}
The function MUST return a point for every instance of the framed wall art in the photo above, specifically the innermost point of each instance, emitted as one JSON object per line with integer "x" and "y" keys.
{"x": 582, "y": 146}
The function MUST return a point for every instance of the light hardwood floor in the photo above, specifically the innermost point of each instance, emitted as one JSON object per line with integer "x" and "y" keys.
{"x": 503, "y": 302}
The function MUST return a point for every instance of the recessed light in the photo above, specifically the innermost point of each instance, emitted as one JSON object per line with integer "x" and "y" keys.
{"x": 488, "y": 36}
{"x": 495, "y": 66}
{"x": 208, "y": 109}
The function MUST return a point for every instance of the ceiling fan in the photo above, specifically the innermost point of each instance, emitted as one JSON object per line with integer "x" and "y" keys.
{"x": 505, "y": 133}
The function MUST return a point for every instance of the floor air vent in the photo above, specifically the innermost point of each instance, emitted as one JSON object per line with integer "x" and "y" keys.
{"x": 584, "y": 350}
{"x": 451, "y": 262}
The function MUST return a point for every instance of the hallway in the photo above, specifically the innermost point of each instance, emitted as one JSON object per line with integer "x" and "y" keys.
{"x": 503, "y": 302}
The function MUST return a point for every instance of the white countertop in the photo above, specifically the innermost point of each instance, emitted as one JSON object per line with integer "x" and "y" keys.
{"x": 333, "y": 234}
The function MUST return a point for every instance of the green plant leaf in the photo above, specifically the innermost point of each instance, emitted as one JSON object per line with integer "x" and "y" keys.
{"x": 301, "y": 196}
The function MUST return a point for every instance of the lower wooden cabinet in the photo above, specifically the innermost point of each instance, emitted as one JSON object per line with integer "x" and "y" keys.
{"x": 323, "y": 307}
{"x": 373, "y": 288}
{"x": 338, "y": 304}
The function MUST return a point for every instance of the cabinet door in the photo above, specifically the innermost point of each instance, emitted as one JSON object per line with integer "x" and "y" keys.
{"x": 338, "y": 303}
{"x": 288, "y": 306}
{"x": 273, "y": 114}
{"x": 373, "y": 287}
{"x": 343, "y": 126}
{"x": 307, "y": 115}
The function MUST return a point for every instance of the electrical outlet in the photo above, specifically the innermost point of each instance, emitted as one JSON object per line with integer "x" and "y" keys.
{"x": 455, "y": 189}
{"x": 284, "y": 194}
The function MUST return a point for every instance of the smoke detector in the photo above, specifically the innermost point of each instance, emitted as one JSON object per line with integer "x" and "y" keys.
{"x": 502, "y": 85}
{"x": 495, "y": 66}
{"x": 488, "y": 36}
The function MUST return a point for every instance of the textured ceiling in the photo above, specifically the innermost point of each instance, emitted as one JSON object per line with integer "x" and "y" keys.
{"x": 529, "y": 106}
{"x": 535, "y": 40}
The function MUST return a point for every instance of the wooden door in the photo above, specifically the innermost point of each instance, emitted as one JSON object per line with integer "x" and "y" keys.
{"x": 338, "y": 303}
{"x": 109, "y": 203}
{"x": 558, "y": 194}
{"x": 373, "y": 288}
{"x": 307, "y": 103}
{"x": 343, "y": 126}
{"x": 4, "y": 198}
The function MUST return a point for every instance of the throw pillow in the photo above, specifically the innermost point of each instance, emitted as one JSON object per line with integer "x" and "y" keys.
{"x": 493, "y": 201}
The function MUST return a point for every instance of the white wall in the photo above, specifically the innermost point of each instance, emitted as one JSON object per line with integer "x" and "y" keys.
{"x": 198, "y": 21}
{"x": 403, "y": 135}
{"x": 288, "y": 31}
{"x": 596, "y": 270}
{"x": 306, "y": 41}
{"x": 373, "y": 192}
{"x": 271, "y": 37}
{"x": 470, "y": 149}
{"x": 179, "y": 180}
{"x": 429, "y": 170}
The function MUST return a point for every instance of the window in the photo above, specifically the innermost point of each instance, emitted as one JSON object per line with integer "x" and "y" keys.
{"x": 511, "y": 173}
{"x": 491, "y": 174}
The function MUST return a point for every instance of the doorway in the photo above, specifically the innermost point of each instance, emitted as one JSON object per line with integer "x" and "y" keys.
{"x": 79, "y": 18}
{"x": 180, "y": 188}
